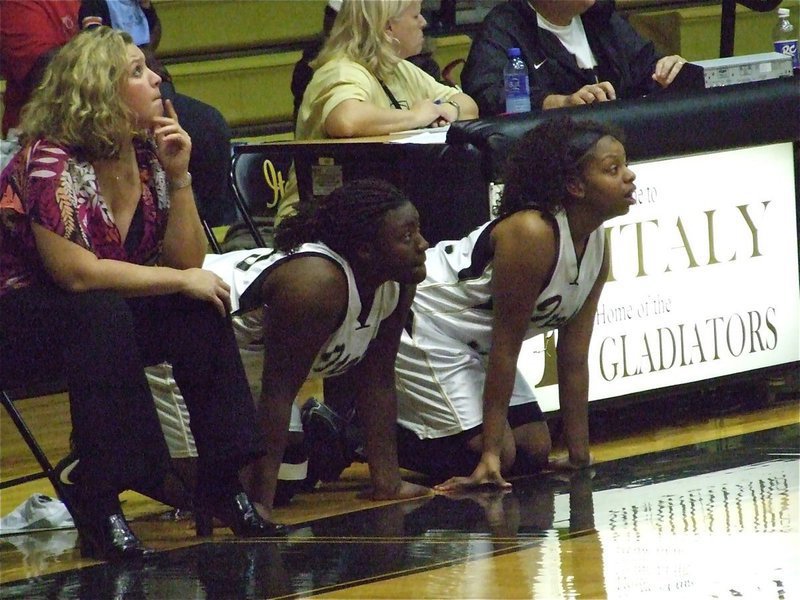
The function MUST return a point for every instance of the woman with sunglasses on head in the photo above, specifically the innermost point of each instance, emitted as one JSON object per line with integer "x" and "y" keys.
{"x": 100, "y": 255}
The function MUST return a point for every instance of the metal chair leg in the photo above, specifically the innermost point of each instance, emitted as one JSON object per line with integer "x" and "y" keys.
{"x": 33, "y": 445}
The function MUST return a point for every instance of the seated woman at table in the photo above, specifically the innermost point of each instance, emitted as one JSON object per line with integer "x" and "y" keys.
{"x": 363, "y": 86}
{"x": 578, "y": 52}
{"x": 100, "y": 255}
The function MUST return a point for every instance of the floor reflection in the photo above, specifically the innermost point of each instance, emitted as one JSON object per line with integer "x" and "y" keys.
{"x": 712, "y": 520}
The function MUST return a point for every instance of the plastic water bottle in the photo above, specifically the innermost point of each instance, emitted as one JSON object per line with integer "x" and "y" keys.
{"x": 784, "y": 37}
{"x": 517, "y": 86}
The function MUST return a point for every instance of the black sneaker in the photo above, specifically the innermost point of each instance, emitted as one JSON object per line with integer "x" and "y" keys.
{"x": 333, "y": 444}
{"x": 292, "y": 474}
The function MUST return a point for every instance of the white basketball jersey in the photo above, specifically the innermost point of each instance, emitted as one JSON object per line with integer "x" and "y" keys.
{"x": 344, "y": 348}
{"x": 456, "y": 295}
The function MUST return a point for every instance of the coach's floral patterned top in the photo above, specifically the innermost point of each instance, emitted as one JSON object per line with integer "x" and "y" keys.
{"x": 48, "y": 185}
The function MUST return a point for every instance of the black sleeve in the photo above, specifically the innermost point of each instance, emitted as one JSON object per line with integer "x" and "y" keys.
{"x": 151, "y": 16}
{"x": 511, "y": 25}
{"x": 154, "y": 23}
{"x": 640, "y": 56}
{"x": 482, "y": 77}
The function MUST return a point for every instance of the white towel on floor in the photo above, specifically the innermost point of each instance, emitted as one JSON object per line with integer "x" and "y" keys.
{"x": 37, "y": 512}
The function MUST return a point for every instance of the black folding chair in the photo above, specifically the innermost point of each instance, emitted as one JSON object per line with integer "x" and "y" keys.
{"x": 259, "y": 173}
{"x": 13, "y": 392}
{"x": 213, "y": 242}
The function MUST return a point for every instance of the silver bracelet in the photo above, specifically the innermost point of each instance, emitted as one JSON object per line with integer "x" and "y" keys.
{"x": 179, "y": 184}
{"x": 458, "y": 108}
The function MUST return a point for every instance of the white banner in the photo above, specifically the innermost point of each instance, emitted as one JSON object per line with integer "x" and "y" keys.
{"x": 704, "y": 278}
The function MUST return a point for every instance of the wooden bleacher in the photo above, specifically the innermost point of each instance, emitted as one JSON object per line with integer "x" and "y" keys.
{"x": 232, "y": 25}
{"x": 238, "y": 56}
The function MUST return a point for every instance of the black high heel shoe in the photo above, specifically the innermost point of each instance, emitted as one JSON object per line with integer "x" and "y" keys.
{"x": 103, "y": 537}
{"x": 111, "y": 539}
{"x": 238, "y": 513}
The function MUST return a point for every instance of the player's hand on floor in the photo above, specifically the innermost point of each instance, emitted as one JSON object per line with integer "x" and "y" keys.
{"x": 404, "y": 491}
{"x": 563, "y": 462}
{"x": 486, "y": 474}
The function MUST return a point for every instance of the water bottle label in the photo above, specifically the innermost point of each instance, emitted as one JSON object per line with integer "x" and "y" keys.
{"x": 517, "y": 85}
{"x": 788, "y": 48}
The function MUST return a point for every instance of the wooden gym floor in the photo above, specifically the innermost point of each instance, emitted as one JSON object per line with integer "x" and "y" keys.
{"x": 692, "y": 496}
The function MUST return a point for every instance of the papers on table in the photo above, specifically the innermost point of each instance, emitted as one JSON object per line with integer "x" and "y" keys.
{"x": 437, "y": 135}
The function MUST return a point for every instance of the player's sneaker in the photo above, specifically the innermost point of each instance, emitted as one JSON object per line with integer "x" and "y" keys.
{"x": 292, "y": 474}
{"x": 332, "y": 442}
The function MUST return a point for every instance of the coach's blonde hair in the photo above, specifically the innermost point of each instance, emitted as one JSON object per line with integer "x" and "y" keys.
{"x": 359, "y": 33}
{"x": 78, "y": 103}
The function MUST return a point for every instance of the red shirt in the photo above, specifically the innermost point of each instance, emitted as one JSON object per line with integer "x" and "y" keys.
{"x": 28, "y": 29}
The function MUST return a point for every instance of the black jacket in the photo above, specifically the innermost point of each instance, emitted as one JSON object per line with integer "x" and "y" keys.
{"x": 624, "y": 58}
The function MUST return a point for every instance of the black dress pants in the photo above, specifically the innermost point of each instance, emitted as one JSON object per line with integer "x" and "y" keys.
{"x": 101, "y": 343}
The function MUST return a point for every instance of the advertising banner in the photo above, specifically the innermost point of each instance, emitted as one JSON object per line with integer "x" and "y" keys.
{"x": 703, "y": 281}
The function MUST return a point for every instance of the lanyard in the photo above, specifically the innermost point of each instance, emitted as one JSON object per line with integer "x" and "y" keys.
{"x": 389, "y": 93}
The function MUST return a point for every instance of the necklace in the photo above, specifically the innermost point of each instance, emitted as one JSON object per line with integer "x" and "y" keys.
{"x": 118, "y": 169}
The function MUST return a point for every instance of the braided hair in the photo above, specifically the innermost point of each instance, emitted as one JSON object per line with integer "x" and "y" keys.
{"x": 350, "y": 215}
{"x": 542, "y": 162}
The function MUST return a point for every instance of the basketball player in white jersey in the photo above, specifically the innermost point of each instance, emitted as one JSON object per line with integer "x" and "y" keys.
{"x": 464, "y": 411}
{"x": 328, "y": 302}
{"x": 331, "y": 301}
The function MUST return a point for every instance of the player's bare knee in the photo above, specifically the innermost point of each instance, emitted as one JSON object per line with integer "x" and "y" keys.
{"x": 534, "y": 440}
{"x": 530, "y": 459}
